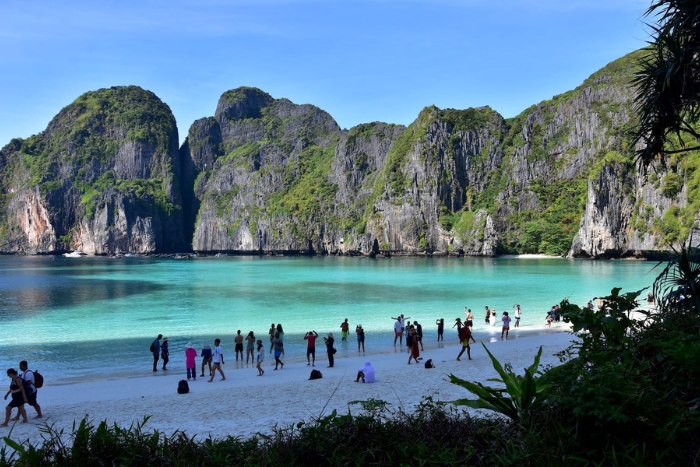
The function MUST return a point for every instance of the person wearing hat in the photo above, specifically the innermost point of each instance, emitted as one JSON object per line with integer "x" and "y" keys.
{"x": 360, "y": 337}
{"x": 190, "y": 363}
{"x": 164, "y": 353}
{"x": 330, "y": 349}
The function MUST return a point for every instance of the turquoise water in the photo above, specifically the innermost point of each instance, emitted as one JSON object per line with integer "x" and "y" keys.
{"x": 94, "y": 318}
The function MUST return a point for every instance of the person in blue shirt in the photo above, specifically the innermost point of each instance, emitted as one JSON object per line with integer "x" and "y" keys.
{"x": 156, "y": 351}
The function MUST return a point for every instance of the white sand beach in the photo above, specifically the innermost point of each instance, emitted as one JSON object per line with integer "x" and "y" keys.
{"x": 244, "y": 403}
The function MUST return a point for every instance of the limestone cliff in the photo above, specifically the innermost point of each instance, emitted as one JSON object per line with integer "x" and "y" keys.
{"x": 102, "y": 178}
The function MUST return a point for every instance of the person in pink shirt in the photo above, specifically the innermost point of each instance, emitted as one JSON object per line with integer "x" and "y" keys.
{"x": 190, "y": 356}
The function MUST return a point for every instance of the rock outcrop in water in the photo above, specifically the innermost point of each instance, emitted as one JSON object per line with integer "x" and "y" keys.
{"x": 265, "y": 175}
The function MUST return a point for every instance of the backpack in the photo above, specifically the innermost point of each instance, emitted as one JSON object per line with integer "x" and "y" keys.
{"x": 429, "y": 363}
{"x": 153, "y": 347}
{"x": 183, "y": 387}
{"x": 38, "y": 379}
{"x": 315, "y": 374}
{"x": 27, "y": 386}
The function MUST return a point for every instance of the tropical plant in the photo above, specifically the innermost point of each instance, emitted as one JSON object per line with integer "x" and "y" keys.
{"x": 520, "y": 396}
{"x": 668, "y": 81}
{"x": 678, "y": 286}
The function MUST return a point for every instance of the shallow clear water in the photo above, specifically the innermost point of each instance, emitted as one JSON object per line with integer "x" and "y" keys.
{"x": 94, "y": 318}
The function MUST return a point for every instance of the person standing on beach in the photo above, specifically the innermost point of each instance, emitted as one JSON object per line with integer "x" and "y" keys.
{"x": 28, "y": 376}
{"x": 506, "y": 324}
{"x": 19, "y": 397}
{"x": 414, "y": 351}
{"x": 310, "y": 339}
{"x": 250, "y": 348}
{"x": 206, "y": 359}
{"x": 419, "y": 334}
{"x": 165, "y": 352}
{"x": 271, "y": 332}
{"x": 465, "y": 337}
{"x": 517, "y": 316}
{"x": 190, "y": 361}
{"x": 279, "y": 349}
{"x": 488, "y": 315}
{"x": 261, "y": 357}
{"x": 458, "y": 324}
{"x": 156, "y": 351}
{"x": 280, "y": 331}
{"x": 238, "y": 340}
{"x": 218, "y": 360}
{"x": 441, "y": 329}
{"x": 360, "y": 337}
{"x": 398, "y": 331}
{"x": 345, "y": 329}
{"x": 330, "y": 349}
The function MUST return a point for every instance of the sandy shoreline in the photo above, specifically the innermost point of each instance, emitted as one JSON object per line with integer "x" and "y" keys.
{"x": 245, "y": 404}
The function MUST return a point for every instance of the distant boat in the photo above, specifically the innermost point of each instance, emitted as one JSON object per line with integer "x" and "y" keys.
{"x": 75, "y": 254}
{"x": 132, "y": 255}
{"x": 220, "y": 255}
{"x": 180, "y": 256}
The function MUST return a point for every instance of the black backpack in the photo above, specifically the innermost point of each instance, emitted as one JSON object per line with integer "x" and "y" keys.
{"x": 315, "y": 374}
{"x": 429, "y": 363}
{"x": 183, "y": 387}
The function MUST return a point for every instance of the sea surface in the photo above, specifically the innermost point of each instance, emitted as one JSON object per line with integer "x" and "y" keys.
{"x": 94, "y": 318}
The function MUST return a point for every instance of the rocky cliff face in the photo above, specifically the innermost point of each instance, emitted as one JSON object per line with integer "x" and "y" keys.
{"x": 101, "y": 178}
{"x": 265, "y": 175}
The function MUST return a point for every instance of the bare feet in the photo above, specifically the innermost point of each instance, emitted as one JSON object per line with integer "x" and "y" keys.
{"x": 3, "y": 424}
{"x": 459, "y": 360}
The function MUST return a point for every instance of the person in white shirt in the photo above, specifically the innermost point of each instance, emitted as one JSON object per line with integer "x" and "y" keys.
{"x": 398, "y": 331}
{"x": 517, "y": 316}
{"x": 261, "y": 357}
{"x": 217, "y": 360}
{"x": 366, "y": 374}
{"x": 28, "y": 375}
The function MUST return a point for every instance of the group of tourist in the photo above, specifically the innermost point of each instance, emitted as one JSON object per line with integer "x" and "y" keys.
{"x": 23, "y": 390}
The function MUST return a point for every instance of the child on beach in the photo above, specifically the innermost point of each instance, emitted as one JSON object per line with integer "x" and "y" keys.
{"x": 261, "y": 357}
{"x": 506, "y": 324}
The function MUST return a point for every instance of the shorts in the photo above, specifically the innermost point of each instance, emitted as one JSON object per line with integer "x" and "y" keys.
{"x": 360, "y": 338}
{"x": 505, "y": 328}
{"x": 311, "y": 351}
{"x": 465, "y": 343}
{"x": 278, "y": 353}
{"x": 517, "y": 320}
{"x": 440, "y": 332}
{"x": 399, "y": 334}
{"x": 251, "y": 347}
{"x": 206, "y": 361}
{"x": 31, "y": 398}
{"x": 470, "y": 323}
{"x": 239, "y": 348}
{"x": 345, "y": 334}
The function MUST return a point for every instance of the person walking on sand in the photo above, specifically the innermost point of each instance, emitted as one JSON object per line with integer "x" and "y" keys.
{"x": 330, "y": 349}
{"x": 279, "y": 349}
{"x": 470, "y": 318}
{"x": 466, "y": 337}
{"x": 517, "y": 316}
{"x": 260, "y": 358}
{"x": 345, "y": 329}
{"x": 250, "y": 348}
{"x": 419, "y": 334}
{"x": 156, "y": 351}
{"x": 28, "y": 376}
{"x": 280, "y": 331}
{"x": 271, "y": 332}
{"x": 360, "y": 337}
{"x": 238, "y": 340}
{"x": 206, "y": 359}
{"x": 19, "y": 397}
{"x": 506, "y": 324}
{"x": 165, "y": 352}
{"x": 410, "y": 336}
{"x": 441, "y": 329}
{"x": 310, "y": 339}
{"x": 190, "y": 361}
{"x": 218, "y": 360}
{"x": 398, "y": 332}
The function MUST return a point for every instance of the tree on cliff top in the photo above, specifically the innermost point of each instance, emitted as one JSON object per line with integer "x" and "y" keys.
{"x": 668, "y": 82}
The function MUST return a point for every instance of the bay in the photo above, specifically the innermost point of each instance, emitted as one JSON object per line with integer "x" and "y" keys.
{"x": 77, "y": 319}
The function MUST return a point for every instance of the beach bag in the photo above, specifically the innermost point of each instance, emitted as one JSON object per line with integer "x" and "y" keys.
{"x": 38, "y": 379}
{"x": 334, "y": 350}
{"x": 152, "y": 348}
{"x": 27, "y": 386}
{"x": 183, "y": 387}
{"x": 429, "y": 363}
{"x": 315, "y": 374}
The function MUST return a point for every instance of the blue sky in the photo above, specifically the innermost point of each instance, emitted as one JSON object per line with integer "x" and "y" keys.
{"x": 360, "y": 60}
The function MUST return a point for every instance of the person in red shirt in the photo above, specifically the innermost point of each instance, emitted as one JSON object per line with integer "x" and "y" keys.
{"x": 310, "y": 339}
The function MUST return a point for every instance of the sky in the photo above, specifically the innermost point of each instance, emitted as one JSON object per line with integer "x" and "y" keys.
{"x": 360, "y": 60}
